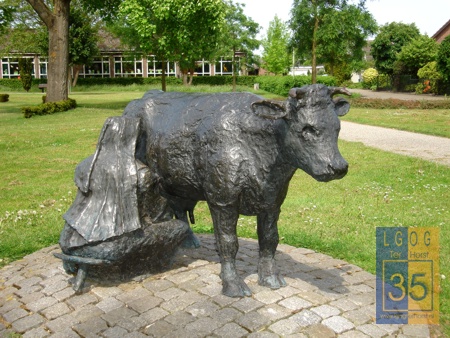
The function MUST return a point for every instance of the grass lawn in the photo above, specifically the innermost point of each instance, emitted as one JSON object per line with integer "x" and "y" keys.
{"x": 339, "y": 218}
{"x": 431, "y": 122}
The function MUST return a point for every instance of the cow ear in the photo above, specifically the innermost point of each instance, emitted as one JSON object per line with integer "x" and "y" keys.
{"x": 341, "y": 106}
{"x": 269, "y": 110}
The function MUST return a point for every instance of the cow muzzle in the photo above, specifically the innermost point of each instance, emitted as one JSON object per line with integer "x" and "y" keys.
{"x": 334, "y": 172}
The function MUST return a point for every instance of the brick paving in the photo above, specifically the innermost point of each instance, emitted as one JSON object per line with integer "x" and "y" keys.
{"x": 325, "y": 297}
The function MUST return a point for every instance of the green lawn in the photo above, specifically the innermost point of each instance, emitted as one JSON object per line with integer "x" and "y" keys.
{"x": 339, "y": 218}
{"x": 431, "y": 122}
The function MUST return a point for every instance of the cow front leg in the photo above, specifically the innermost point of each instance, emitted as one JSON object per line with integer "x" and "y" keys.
{"x": 268, "y": 274}
{"x": 225, "y": 220}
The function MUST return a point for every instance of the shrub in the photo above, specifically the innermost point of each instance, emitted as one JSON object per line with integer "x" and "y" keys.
{"x": 429, "y": 78}
{"x": 4, "y": 97}
{"x": 370, "y": 76}
{"x": 49, "y": 108}
{"x": 384, "y": 82}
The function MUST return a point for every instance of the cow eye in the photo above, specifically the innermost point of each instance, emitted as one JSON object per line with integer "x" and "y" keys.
{"x": 309, "y": 132}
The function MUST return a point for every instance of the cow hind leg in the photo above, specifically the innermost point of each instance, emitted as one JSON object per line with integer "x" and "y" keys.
{"x": 225, "y": 220}
{"x": 268, "y": 274}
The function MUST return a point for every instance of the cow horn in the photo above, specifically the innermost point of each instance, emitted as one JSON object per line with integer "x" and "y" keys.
{"x": 339, "y": 90}
{"x": 297, "y": 93}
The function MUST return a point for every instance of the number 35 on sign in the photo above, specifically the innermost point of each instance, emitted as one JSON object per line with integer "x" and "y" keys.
{"x": 407, "y": 275}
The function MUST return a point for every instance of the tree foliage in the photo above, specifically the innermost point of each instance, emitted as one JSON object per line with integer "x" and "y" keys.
{"x": 6, "y": 16}
{"x": 83, "y": 40}
{"x": 239, "y": 35}
{"x": 276, "y": 56}
{"x": 173, "y": 29}
{"x": 332, "y": 32}
{"x": 83, "y": 37}
{"x": 417, "y": 54}
{"x": 443, "y": 59}
{"x": 24, "y": 31}
{"x": 389, "y": 42}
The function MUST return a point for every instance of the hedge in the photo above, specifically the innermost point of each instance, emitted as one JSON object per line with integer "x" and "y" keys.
{"x": 223, "y": 80}
{"x": 126, "y": 81}
{"x": 281, "y": 85}
{"x": 49, "y": 108}
{"x": 4, "y": 97}
{"x": 16, "y": 84}
{"x": 399, "y": 104}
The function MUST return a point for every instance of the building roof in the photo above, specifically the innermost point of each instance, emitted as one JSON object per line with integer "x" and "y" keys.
{"x": 443, "y": 32}
{"x": 107, "y": 42}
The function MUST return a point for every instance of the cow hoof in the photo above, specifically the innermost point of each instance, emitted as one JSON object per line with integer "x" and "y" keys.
{"x": 272, "y": 281}
{"x": 191, "y": 242}
{"x": 236, "y": 289}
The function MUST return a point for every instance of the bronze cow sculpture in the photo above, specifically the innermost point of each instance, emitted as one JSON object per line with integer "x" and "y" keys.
{"x": 238, "y": 152}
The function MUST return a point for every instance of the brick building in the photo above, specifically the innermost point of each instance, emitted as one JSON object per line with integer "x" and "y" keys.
{"x": 442, "y": 33}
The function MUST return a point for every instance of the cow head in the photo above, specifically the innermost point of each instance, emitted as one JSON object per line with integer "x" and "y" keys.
{"x": 310, "y": 143}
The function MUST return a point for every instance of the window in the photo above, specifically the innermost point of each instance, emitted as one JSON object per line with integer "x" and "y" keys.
{"x": 43, "y": 64}
{"x": 202, "y": 68}
{"x": 155, "y": 67}
{"x": 10, "y": 68}
{"x": 98, "y": 68}
{"x": 224, "y": 67}
{"x": 127, "y": 67}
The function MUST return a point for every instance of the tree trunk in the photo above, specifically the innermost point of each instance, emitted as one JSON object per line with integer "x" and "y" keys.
{"x": 76, "y": 72}
{"x": 191, "y": 77}
{"x": 57, "y": 22}
{"x": 185, "y": 77}
{"x": 233, "y": 66}
{"x": 313, "y": 52}
{"x": 163, "y": 76}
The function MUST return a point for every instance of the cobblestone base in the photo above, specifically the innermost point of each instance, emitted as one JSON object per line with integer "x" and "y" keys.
{"x": 325, "y": 297}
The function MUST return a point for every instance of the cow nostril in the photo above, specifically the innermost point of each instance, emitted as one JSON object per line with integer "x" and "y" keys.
{"x": 339, "y": 169}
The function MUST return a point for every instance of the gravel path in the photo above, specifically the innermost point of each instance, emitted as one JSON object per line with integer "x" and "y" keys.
{"x": 431, "y": 148}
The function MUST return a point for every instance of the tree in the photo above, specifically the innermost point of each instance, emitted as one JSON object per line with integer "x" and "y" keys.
{"x": 389, "y": 42}
{"x": 443, "y": 59}
{"x": 341, "y": 39}
{"x": 173, "y": 29}
{"x": 202, "y": 25}
{"x": 276, "y": 55}
{"x": 417, "y": 54}
{"x": 55, "y": 17}
{"x": 239, "y": 35}
{"x": 83, "y": 39}
{"x": 330, "y": 31}
{"x": 25, "y": 70}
